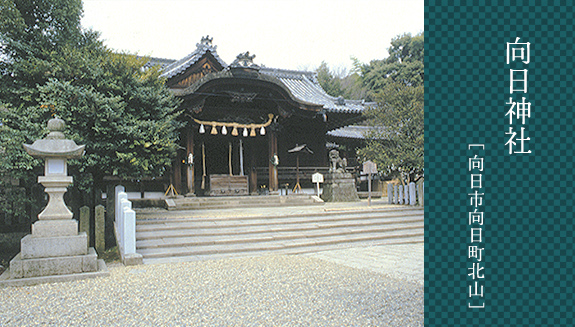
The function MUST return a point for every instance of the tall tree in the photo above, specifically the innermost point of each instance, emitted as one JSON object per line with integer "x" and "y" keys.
{"x": 338, "y": 82}
{"x": 405, "y": 64}
{"x": 330, "y": 83}
{"x": 125, "y": 116}
{"x": 51, "y": 66}
{"x": 396, "y": 140}
{"x": 406, "y": 48}
{"x": 32, "y": 34}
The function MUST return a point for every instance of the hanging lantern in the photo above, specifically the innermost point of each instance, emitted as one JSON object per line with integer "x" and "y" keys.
{"x": 253, "y": 132}
{"x": 235, "y": 131}
{"x": 202, "y": 129}
{"x": 263, "y": 131}
{"x": 224, "y": 130}
{"x": 245, "y": 134}
{"x": 214, "y": 130}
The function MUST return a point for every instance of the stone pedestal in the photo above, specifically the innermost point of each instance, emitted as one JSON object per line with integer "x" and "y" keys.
{"x": 52, "y": 253}
{"x": 339, "y": 187}
{"x": 54, "y": 249}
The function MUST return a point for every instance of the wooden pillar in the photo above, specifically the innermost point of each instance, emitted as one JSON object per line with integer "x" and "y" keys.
{"x": 241, "y": 151}
{"x": 322, "y": 149}
{"x": 177, "y": 173}
{"x": 273, "y": 172}
{"x": 230, "y": 159}
{"x": 253, "y": 171}
{"x": 190, "y": 171}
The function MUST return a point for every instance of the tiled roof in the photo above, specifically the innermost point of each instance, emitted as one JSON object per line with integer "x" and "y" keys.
{"x": 305, "y": 86}
{"x": 201, "y": 49}
{"x": 162, "y": 62}
{"x": 351, "y": 132}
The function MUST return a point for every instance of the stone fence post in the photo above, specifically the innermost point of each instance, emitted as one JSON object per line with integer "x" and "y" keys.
{"x": 405, "y": 194}
{"x": 420, "y": 192}
{"x": 85, "y": 222}
{"x": 412, "y": 197}
{"x": 125, "y": 226}
{"x": 100, "y": 229}
{"x": 129, "y": 229}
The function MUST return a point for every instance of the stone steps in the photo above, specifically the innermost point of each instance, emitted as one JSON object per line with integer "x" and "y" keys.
{"x": 239, "y": 226}
{"x": 188, "y": 238}
{"x": 223, "y": 202}
{"x": 173, "y": 237}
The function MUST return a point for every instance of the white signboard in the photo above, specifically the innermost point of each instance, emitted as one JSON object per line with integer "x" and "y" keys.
{"x": 369, "y": 167}
{"x": 317, "y": 178}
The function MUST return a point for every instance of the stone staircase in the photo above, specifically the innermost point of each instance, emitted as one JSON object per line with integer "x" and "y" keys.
{"x": 223, "y": 202}
{"x": 177, "y": 236}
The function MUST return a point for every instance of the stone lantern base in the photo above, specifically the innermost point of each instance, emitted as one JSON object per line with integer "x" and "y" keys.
{"x": 54, "y": 252}
{"x": 53, "y": 259}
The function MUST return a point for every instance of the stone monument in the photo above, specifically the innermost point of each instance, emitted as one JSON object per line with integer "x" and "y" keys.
{"x": 55, "y": 251}
{"x": 339, "y": 185}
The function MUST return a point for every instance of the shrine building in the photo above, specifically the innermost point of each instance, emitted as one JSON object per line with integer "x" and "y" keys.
{"x": 243, "y": 119}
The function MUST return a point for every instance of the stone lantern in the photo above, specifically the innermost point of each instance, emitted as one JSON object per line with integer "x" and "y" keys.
{"x": 55, "y": 251}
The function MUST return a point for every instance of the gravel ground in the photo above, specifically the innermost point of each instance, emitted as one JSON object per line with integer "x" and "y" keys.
{"x": 278, "y": 290}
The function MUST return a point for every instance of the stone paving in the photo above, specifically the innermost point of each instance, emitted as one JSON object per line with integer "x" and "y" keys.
{"x": 404, "y": 261}
{"x": 355, "y": 286}
{"x": 276, "y": 290}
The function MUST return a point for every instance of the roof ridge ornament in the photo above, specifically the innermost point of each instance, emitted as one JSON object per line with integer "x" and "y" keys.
{"x": 206, "y": 42}
{"x": 244, "y": 60}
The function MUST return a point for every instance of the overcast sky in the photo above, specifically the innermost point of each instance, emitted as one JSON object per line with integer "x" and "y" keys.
{"x": 290, "y": 34}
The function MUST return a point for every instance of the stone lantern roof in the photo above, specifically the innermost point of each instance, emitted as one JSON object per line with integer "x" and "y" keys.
{"x": 55, "y": 144}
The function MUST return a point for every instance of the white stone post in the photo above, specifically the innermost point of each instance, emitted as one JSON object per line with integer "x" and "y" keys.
{"x": 412, "y": 198}
{"x": 126, "y": 228}
{"x": 389, "y": 193}
{"x": 119, "y": 214}
{"x": 124, "y": 204}
{"x": 421, "y": 192}
{"x": 129, "y": 229}
{"x": 406, "y": 194}
{"x": 400, "y": 194}
{"x": 117, "y": 190}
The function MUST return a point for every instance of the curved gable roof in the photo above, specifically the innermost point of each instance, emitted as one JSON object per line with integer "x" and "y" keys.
{"x": 188, "y": 61}
{"x": 305, "y": 86}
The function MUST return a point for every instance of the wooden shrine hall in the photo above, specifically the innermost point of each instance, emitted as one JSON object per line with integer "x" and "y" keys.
{"x": 243, "y": 118}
